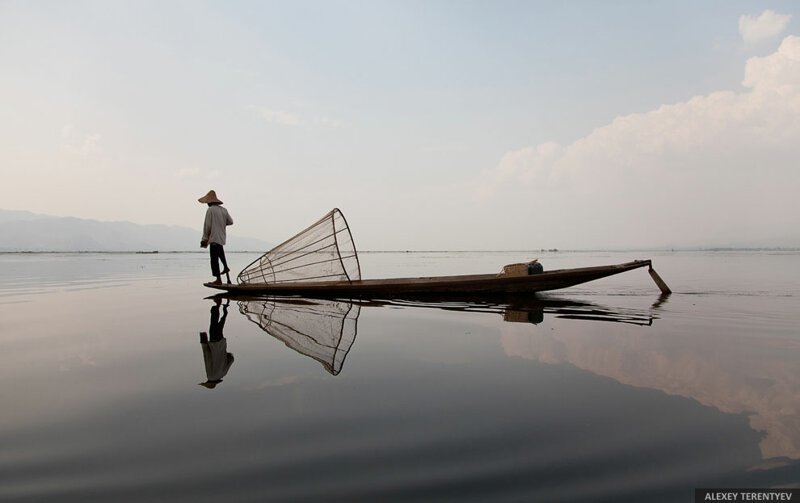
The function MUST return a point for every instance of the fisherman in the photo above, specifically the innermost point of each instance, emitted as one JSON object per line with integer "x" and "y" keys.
{"x": 217, "y": 218}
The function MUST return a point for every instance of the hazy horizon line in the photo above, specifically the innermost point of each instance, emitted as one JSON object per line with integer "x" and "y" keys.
{"x": 532, "y": 250}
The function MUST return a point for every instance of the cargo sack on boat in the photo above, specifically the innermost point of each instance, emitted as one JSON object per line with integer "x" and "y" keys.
{"x": 324, "y": 251}
{"x": 522, "y": 269}
{"x": 535, "y": 267}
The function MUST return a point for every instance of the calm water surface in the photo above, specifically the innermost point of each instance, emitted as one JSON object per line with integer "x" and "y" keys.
{"x": 602, "y": 392}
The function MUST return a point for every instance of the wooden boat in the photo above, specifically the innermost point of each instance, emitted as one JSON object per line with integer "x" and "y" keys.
{"x": 322, "y": 261}
{"x": 473, "y": 284}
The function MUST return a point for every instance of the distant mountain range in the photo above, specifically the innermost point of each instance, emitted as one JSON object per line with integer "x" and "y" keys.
{"x": 26, "y": 231}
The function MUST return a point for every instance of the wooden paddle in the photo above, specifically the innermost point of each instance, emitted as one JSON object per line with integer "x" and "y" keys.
{"x": 660, "y": 282}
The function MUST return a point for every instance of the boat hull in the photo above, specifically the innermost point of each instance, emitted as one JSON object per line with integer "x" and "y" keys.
{"x": 474, "y": 284}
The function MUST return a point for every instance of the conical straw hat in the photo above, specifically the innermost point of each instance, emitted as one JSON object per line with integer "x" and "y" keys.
{"x": 211, "y": 197}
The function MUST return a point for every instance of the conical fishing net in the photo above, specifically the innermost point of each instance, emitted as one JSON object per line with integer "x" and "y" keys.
{"x": 324, "y": 251}
{"x": 322, "y": 329}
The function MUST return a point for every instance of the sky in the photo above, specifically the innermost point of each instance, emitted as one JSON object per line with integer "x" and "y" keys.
{"x": 433, "y": 125}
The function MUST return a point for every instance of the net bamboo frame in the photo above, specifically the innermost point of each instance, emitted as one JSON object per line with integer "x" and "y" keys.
{"x": 323, "y": 251}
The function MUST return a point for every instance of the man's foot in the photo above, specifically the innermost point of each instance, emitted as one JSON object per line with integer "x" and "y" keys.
{"x": 217, "y": 282}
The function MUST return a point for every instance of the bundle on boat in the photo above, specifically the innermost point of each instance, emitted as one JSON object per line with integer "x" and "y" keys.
{"x": 522, "y": 269}
{"x": 324, "y": 251}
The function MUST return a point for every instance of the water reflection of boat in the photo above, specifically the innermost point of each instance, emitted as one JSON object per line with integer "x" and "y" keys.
{"x": 322, "y": 329}
{"x": 527, "y": 308}
{"x": 325, "y": 329}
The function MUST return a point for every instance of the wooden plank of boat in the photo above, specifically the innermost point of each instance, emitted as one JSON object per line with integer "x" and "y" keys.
{"x": 463, "y": 284}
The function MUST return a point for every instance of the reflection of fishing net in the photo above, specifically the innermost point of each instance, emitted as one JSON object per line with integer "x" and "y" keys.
{"x": 325, "y": 251}
{"x": 322, "y": 329}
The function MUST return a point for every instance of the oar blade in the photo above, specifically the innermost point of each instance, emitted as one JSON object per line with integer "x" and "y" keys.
{"x": 660, "y": 282}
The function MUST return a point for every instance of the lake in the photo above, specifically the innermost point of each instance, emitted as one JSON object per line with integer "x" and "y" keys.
{"x": 123, "y": 381}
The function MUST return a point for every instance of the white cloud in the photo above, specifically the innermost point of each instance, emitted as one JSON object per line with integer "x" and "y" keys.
{"x": 284, "y": 118}
{"x": 197, "y": 173}
{"x": 279, "y": 117}
{"x": 527, "y": 164}
{"x": 80, "y": 145}
{"x": 768, "y": 25}
{"x": 726, "y": 159}
{"x": 188, "y": 172}
{"x": 327, "y": 122}
{"x": 67, "y": 130}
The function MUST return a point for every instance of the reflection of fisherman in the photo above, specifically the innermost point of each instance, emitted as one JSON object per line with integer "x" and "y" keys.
{"x": 215, "y": 348}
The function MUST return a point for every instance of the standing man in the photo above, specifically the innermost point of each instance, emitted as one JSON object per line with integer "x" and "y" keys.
{"x": 217, "y": 218}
